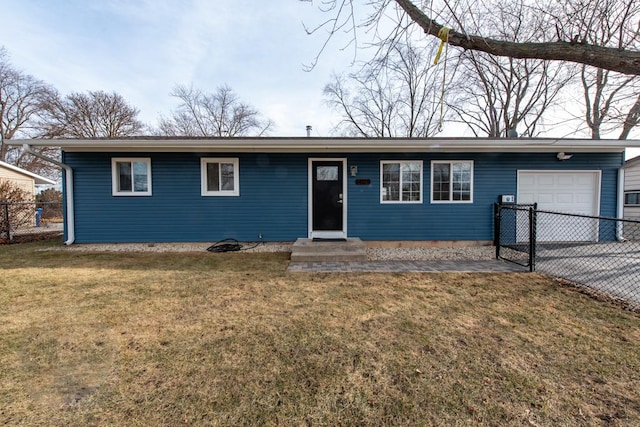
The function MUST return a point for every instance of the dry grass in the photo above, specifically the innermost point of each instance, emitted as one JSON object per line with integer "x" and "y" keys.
{"x": 231, "y": 339}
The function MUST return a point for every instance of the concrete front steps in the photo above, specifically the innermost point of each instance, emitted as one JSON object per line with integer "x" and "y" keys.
{"x": 350, "y": 250}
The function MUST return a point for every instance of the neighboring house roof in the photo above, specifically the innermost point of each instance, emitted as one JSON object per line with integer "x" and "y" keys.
{"x": 37, "y": 178}
{"x": 632, "y": 162}
{"x": 326, "y": 144}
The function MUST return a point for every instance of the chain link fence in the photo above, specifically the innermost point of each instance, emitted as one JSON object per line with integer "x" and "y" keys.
{"x": 599, "y": 254}
{"x": 25, "y": 221}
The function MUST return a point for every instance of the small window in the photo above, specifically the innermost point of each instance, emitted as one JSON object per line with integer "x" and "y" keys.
{"x": 131, "y": 177}
{"x": 632, "y": 198}
{"x": 327, "y": 173}
{"x": 451, "y": 181}
{"x": 401, "y": 182}
{"x": 220, "y": 177}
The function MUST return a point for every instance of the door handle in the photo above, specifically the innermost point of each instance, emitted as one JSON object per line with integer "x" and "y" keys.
{"x": 340, "y": 198}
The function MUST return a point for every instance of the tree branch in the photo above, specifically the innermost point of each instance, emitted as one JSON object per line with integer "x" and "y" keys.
{"x": 614, "y": 59}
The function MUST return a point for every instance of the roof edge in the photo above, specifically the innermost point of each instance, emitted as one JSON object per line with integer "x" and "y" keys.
{"x": 39, "y": 179}
{"x": 309, "y": 144}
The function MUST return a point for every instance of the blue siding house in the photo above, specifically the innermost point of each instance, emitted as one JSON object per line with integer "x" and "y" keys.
{"x": 280, "y": 189}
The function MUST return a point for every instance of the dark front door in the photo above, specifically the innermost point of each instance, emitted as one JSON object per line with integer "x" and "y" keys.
{"x": 327, "y": 188}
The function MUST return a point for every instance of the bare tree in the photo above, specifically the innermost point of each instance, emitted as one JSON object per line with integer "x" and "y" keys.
{"x": 566, "y": 43}
{"x": 394, "y": 95}
{"x": 607, "y": 95}
{"x": 632, "y": 119}
{"x": 611, "y": 99}
{"x": 497, "y": 95}
{"x": 219, "y": 114}
{"x": 500, "y": 97}
{"x": 95, "y": 114}
{"x": 21, "y": 100}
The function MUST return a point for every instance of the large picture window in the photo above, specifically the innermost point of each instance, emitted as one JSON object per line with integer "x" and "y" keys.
{"x": 401, "y": 182}
{"x": 452, "y": 181}
{"x": 131, "y": 176}
{"x": 220, "y": 177}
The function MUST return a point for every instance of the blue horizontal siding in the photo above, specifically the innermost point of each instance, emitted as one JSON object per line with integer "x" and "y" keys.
{"x": 272, "y": 201}
{"x": 494, "y": 174}
{"x": 273, "y": 197}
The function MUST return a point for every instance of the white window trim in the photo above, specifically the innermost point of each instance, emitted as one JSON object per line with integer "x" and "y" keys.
{"x": 114, "y": 176}
{"x": 236, "y": 177}
{"x": 433, "y": 162}
{"x": 413, "y": 202}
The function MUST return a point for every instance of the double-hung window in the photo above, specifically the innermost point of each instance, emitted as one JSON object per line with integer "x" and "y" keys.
{"x": 632, "y": 198}
{"x": 220, "y": 176}
{"x": 401, "y": 181}
{"x": 131, "y": 176}
{"x": 452, "y": 181}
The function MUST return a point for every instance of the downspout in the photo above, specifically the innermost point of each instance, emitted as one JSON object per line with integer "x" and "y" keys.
{"x": 68, "y": 174}
{"x": 620, "y": 224}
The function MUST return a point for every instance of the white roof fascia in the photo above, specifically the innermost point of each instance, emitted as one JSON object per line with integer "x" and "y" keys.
{"x": 315, "y": 144}
{"x": 38, "y": 179}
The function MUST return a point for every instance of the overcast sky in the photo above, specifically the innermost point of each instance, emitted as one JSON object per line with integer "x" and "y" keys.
{"x": 143, "y": 48}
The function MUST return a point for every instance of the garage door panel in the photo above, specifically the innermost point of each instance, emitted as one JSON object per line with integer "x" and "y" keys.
{"x": 586, "y": 180}
{"x": 526, "y": 198}
{"x": 543, "y": 198}
{"x": 528, "y": 180}
{"x": 584, "y": 198}
{"x": 566, "y": 180}
{"x": 545, "y": 180}
{"x": 559, "y": 191}
{"x": 565, "y": 198}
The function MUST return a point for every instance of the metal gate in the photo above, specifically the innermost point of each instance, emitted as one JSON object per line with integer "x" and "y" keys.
{"x": 515, "y": 234}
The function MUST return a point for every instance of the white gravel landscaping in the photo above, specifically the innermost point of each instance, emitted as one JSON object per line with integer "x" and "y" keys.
{"x": 169, "y": 247}
{"x": 475, "y": 253}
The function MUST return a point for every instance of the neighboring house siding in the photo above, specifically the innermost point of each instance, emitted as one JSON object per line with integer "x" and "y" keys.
{"x": 632, "y": 183}
{"x": 25, "y": 183}
{"x": 632, "y": 178}
{"x": 273, "y": 197}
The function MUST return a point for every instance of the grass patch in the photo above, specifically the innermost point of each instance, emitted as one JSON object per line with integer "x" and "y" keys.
{"x": 231, "y": 339}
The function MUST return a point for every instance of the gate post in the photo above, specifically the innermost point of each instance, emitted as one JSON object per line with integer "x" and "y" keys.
{"x": 496, "y": 228}
{"x": 533, "y": 218}
{"x": 6, "y": 225}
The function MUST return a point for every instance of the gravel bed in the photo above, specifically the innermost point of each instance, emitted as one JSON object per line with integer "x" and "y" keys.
{"x": 167, "y": 247}
{"x": 475, "y": 253}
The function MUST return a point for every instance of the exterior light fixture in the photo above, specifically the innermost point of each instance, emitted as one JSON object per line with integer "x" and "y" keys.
{"x": 563, "y": 156}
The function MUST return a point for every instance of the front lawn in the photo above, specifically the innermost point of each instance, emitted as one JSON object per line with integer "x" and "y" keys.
{"x": 231, "y": 339}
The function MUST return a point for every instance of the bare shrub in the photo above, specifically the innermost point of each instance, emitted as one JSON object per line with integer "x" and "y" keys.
{"x": 15, "y": 209}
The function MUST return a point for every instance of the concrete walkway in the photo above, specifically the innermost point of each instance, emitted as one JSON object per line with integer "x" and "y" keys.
{"x": 493, "y": 266}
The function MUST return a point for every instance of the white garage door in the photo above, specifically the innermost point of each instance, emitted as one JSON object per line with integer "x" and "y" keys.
{"x": 571, "y": 192}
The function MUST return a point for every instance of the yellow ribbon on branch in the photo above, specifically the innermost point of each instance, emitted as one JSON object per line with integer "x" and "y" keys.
{"x": 443, "y": 35}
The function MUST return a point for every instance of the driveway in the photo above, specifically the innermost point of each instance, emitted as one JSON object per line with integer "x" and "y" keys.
{"x": 612, "y": 268}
